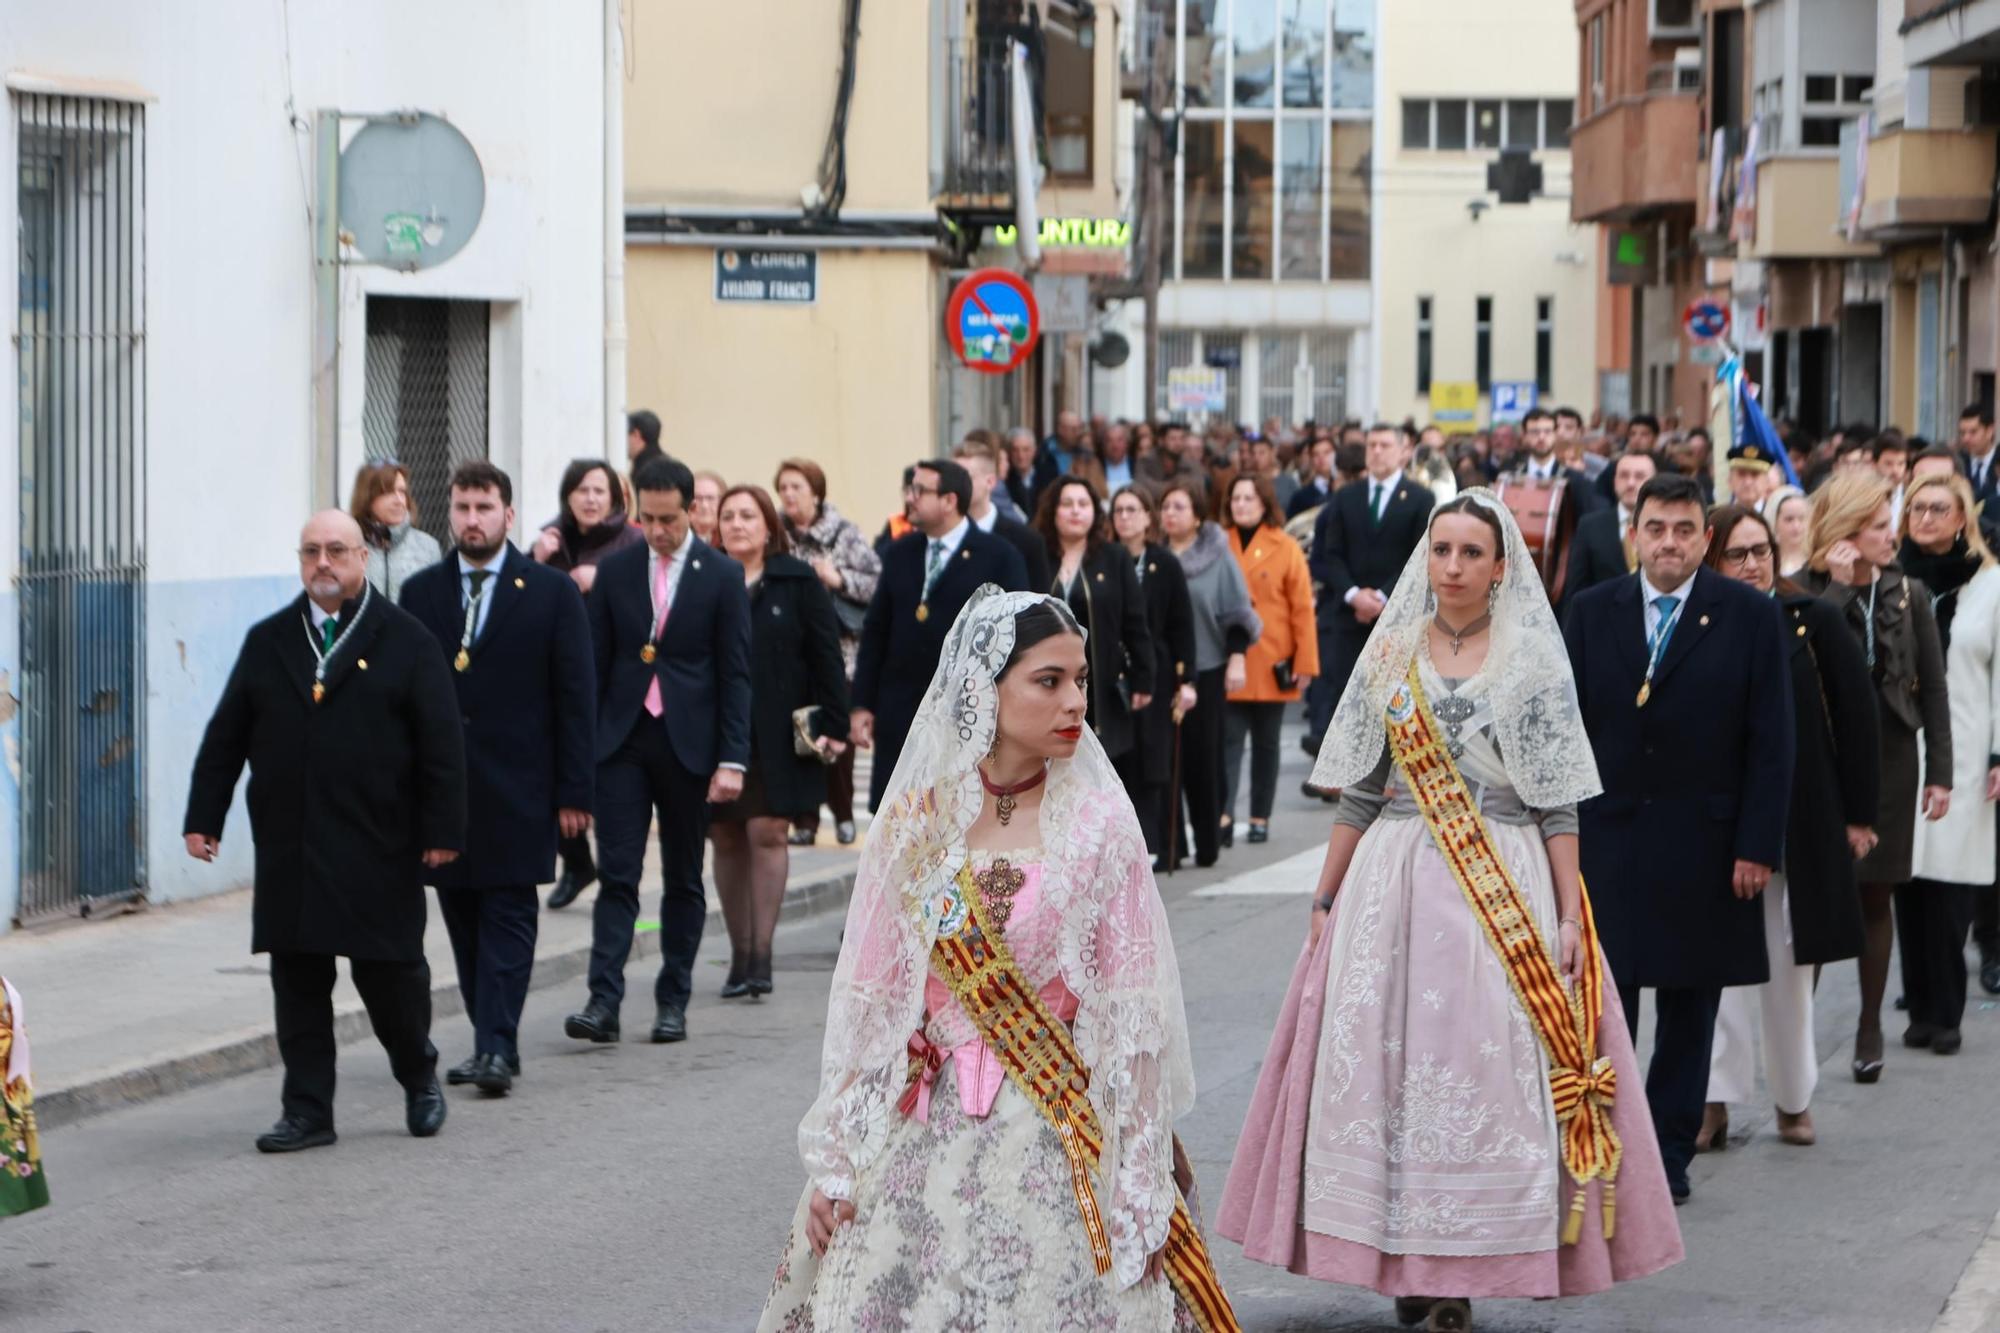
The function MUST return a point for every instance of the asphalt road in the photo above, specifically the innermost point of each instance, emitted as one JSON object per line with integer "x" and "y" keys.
{"x": 637, "y": 1187}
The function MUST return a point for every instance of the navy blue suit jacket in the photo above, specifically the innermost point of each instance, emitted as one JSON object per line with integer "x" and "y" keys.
{"x": 899, "y": 653}
{"x": 703, "y": 660}
{"x": 528, "y": 702}
{"x": 1694, "y": 781}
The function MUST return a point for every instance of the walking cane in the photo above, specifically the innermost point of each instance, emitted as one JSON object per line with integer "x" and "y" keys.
{"x": 1174, "y": 796}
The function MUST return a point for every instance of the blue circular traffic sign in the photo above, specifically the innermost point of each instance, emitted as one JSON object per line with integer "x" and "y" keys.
{"x": 1705, "y": 321}
{"x": 992, "y": 321}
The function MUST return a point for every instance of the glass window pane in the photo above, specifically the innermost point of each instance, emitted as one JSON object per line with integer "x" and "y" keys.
{"x": 1559, "y": 113}
{"x": 1416, "y": 123}
{"x": 1485, "y": 124}
{"x": 1305, "y": 52}
{"x": 1204, "y": 52}
{"x": 1253, "y": 32}
{"x": 1353, "y": 54}
{"x": 1347, "y": 239}
{"x": 1201, "y": 204}
{"x": 1857, "y": 86}
{"x": 1451, "y": 126}
{"x": 1820, "y": 88}
{"x": 1300, "y": 240}
{"x": 1252, "y": 202}
{"x": 1523, "y": 124}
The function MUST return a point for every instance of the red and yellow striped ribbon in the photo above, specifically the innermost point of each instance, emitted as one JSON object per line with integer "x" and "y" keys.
{"x": 1582, "y": 1084}
{"x": 1040, "y": 1057}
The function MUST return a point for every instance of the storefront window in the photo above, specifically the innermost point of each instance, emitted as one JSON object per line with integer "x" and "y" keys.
{"x": 1253, "y": 200}
{"x": 1202, "y": 199}
{"x": 1301, "y": 240}
{"x": 1347, "y": 223}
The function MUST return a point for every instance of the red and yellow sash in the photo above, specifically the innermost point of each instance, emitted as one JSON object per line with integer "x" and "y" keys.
{"x": 1041, "y": 1059}
{"x": 1581, "y": 1082}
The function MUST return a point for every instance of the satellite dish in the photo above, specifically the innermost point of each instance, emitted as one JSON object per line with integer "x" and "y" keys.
{"x": 1111, "y": 351}
{"x": 411, "y": 191}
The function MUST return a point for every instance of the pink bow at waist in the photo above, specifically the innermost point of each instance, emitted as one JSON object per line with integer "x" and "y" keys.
{"x": 980, "y": 1073}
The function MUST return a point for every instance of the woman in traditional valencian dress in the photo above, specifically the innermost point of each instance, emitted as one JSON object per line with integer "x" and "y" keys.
{"x": 23, "y": 1187}
{"x": 1449, "y": 1108}
{"x": 1006, "y": 1051}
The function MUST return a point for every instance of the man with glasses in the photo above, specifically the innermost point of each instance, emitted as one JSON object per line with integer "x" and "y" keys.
{"x": 342, "y": 706}
{"x": 670, "y": 626}
{"x": 927, "y": 577}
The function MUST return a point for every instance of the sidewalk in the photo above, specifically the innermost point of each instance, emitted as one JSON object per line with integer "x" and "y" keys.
{"x": 129, "y": 1008}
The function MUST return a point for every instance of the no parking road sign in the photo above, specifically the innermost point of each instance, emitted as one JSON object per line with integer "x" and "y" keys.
{"x": 992, "y": 321}
{"x": 1705, "y": 321}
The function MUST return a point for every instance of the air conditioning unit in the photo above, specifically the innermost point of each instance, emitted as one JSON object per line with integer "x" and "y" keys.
{"x": 1687, "y": 69}
{"x": 1673, "y": 18}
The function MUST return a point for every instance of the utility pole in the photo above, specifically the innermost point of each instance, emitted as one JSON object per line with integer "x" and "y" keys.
{"x": 1153, "y": 108}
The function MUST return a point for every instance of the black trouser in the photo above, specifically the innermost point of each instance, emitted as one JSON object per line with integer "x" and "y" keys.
{"x": 1264, "y": 724}
{"x": 1201, "y": 765}
{"x": 1323, "y": 695}
{"x": 1986, "y": 912}
{"x": 576, "y": 857}
{"x": 398, "y": 997}
{"x": 1931, "y": 920}
{"x": 1677, "y": 1080}
{"x": 644, "y": 775}
{"x": 493, "y": 938}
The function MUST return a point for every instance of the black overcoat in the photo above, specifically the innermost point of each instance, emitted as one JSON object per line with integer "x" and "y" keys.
{"x": 1836, "y": 780}
{"x": 795, "y": 662}
{"x": 1107, "y": 602}
{"x": 1697, "y": 779}
{"x": 528, "y": 702}
{"x": 899, "y": 653}
{"x": 345, "y": 795}
{"x": 1596, "y": 553}
{"x": 1170, "y": 622}
{"x": 702, "y": 660}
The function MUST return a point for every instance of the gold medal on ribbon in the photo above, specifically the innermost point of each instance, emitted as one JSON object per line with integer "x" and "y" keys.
{"x": 1645, "y": 692}
{"x": 319, "y": 691}
{"x": 647, "y": 654}
{"x": 923, "y": 612}
{"x": 463, "y": 660}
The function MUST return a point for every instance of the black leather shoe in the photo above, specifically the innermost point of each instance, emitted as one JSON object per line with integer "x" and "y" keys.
{"x": 843, "y": 833}
{"x": 758, "y": 978}
{"x": 290, "y": 1135}
{"x": 568, "y": 886}
{"x": 466, "y": 1071}
{"x": 671, "y": 1025}
{"x": 736, "y": 987}
{"x": 1259, "y": 833}
{"x": 1226, "y": 835}
{"x": 1918, "y": 1035}
{"x": 1679, "y": 1188}
{"x": 424, "y": 1110}
{"x": 595, "y": 1023}
{"x": 1989, "y": 974}
{"x": 495, "y": 1078}
{"x": 1946, "y": 1041}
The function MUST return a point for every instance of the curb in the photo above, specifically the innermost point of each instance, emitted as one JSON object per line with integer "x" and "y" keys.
{"x": 250, "y": 1051}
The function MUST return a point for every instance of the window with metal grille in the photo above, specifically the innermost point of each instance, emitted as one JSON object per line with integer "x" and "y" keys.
{"x": 81, "y": 366}
{"x": 1482, "y": 345}
{"x": 425, "y": 403}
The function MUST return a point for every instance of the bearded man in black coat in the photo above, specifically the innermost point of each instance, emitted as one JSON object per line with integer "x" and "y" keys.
{"x": 343, "y": 707}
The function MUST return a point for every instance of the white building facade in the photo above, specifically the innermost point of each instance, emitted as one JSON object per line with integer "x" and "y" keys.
{"x": 1471, "y": 291}
{"x": 160, "y": 171}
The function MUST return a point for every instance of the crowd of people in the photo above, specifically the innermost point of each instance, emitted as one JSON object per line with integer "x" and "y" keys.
{"x": 1791, "y": 685}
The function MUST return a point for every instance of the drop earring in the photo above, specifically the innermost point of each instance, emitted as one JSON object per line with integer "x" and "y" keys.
{"x": 1492, "y": 596}
{"x": 1430, "y": 600}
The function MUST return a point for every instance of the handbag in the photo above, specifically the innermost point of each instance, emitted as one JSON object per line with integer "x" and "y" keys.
{"x": 849, "y": 614}
{"x": 805, "y": 730}
{"x": 1283, "y": 672}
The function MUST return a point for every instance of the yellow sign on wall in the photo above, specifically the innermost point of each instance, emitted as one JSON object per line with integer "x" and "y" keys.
{"x": 1454, "y": 401}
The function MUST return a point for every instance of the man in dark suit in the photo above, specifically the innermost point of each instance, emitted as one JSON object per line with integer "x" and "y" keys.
{"x": 342, "y": 706}
{"x": 981, "y": 460}
{"x": 1317, "y": 488}
{"x": 1538, "y": 461}
{"x": 527, "y": 697}
{"x": 1361, "y": 541}
{"x": 1975, "y": 451}
{"x": 670, "y": 627}
{"x": 927, "y": 577}
{"x": 1602, "y": 548}
{"x": 1682, "y": 677}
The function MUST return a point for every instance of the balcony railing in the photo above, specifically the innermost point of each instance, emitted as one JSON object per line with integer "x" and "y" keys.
{"x": 979, "y": 124}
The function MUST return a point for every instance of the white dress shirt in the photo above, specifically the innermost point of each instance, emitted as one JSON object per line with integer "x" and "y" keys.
{"x": 1647, "y": 592}
{"x": 951, "y": 541}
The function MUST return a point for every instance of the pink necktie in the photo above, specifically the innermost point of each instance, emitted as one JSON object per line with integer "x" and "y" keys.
{"x": 653, "y": 704}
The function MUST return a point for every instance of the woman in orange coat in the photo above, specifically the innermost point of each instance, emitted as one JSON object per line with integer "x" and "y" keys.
{"x": 1282, "y": 662}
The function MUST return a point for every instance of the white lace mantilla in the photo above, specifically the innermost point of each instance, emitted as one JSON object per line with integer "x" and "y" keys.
{"x": 1114, "y": 947}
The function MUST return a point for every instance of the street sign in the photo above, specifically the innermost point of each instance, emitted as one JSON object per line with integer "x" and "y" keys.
{"x": 1197, "y": 389}
{"x": 1512, "y": 399}
{"x": 992, "y": 321}
{"x": 411, "y": 191}
{"x": 772, "y": 277}
{"x": 1705, "y": 321}
{"x": 1454, "y": 401}
{"x": 1706, "y": 354}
